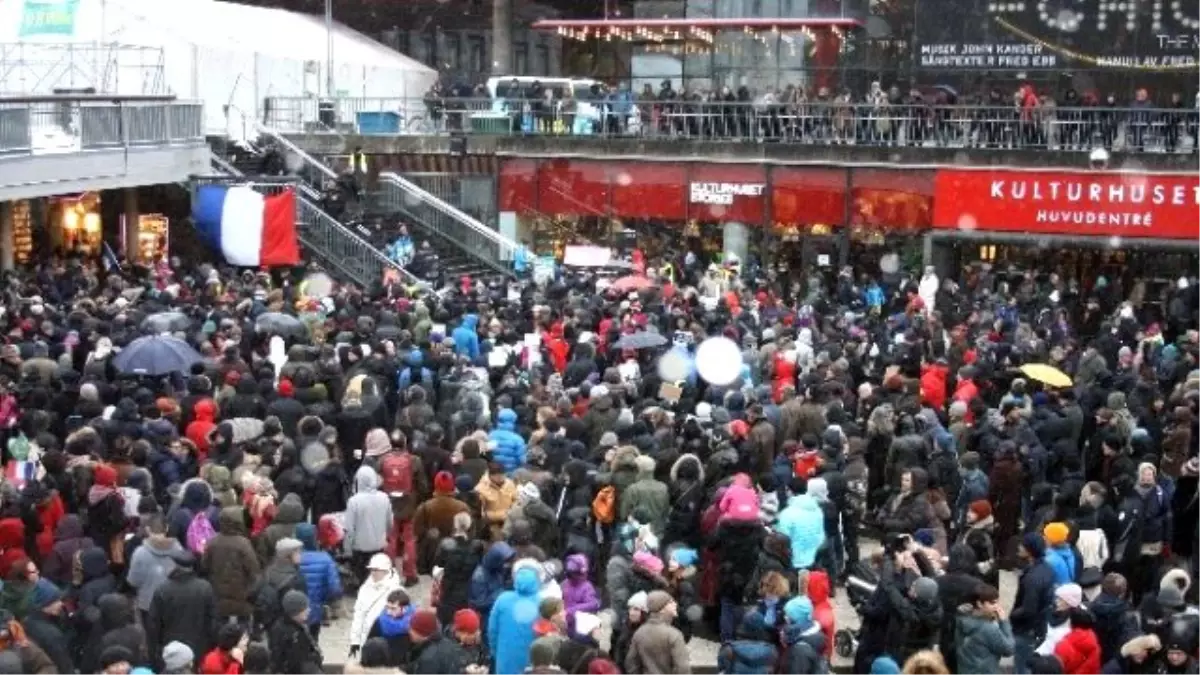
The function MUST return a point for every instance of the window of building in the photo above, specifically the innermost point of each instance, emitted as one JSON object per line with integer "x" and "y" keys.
{"x": 521, "y": 59}
{"x": 428, "y": 53}
{"x": 543, "y": 57}
{"x": 475, "y": 48}
{"x": 450, "y": 57}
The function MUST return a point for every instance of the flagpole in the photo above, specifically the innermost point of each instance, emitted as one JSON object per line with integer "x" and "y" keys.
{"x": 329, "y": 48}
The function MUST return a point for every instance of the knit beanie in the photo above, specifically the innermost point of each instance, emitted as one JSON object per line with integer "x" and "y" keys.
{"x": 1056, "y": 533}
{"x": 424, "y": 623}
{"x": 293, "y": 603}
{"x": 981, "y": 508}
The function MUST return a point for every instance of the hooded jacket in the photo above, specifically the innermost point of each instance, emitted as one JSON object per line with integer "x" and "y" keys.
{"x": 368, "y": 514}
{"x": 466, "y": 339}
{"x": 370, "y": 601}
{"x": 205, "y": 421}
{"x": 510, "y": 446}
{"x": 288, "y": 515}
{"x": 150, "y": 565}
{"x": 803, "y": 523}
{"x": 510, "y": 623}
{"x": 68, "y": 541}
{"x": 579, "y": 595}
{"x": 981, "y": 642}
{"x": 489, "y": 579}
{"x": 232, "y": 565}
{"x": 646, "y": 495}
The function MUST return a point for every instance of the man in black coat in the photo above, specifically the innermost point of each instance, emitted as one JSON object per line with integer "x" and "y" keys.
{"x": 1031, "y": 607}
{"x": 292, "y": 648}
{"x": 184, "y": 608}
{"x": 432, "y": 652}
{"x": 286, "y": 407}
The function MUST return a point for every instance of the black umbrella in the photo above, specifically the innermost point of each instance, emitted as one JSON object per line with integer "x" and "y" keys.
{"x": 156, "y": 355}
{"x": 166, "y": 322}
{"x": 642, "y": 340}
{"x": 283, "y": 325}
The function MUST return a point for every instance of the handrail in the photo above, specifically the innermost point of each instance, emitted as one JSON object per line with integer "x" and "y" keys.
{"x": 347, "y": 233}
{"x": 508, "y": 245}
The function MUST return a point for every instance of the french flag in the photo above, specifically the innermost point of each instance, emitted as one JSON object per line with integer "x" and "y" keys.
{"x": 249, "y": 228}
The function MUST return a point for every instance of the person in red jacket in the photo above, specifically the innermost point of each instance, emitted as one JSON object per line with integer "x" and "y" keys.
{"x": 818, "y": 591}
{"x": 557, "y": 347}
{"x": 227, "y": 657}
{"x": 966, "y": 391}
{"x": 12, "y": 542}
{"x": 933, "y": 384}
{"x": 50, "y": 511}
{"x": 199, "y": 429}
{"x": 1079, "y": 650}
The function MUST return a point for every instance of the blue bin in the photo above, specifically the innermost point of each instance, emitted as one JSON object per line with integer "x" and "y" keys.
{"x": 377, "y": 122}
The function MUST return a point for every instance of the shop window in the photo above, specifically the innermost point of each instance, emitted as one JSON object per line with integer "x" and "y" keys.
{"x": 22, "y": 220}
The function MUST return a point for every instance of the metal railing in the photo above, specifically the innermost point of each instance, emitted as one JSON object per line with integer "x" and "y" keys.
{"x": 49, "y": 125}
{"x": 1048, "y": 127}
{"x": 400, "y": 195}
{"x": 334, "y": 244}
{"x": 424, "y": 210}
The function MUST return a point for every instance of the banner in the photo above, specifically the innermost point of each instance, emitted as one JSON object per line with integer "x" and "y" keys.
{"x": 1016, "y": 35}
{"x": 1081, "y": 203}
{"x": 48, "y": 17}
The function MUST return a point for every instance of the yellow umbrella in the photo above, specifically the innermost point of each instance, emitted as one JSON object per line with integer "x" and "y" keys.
{"x": 1046, "y": 374}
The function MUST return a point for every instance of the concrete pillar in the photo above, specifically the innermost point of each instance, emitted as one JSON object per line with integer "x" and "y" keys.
{"x": 502, "y": 37}
{"x": 7, "y": 251}
{"x": 130, "y": 209}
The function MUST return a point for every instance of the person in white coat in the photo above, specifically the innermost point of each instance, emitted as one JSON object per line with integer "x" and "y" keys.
{"x": 371, "y": 599}
{"x": 928, "y": 288}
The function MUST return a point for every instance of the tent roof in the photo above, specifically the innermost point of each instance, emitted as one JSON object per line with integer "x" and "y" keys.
{"x": 226, "y": 25}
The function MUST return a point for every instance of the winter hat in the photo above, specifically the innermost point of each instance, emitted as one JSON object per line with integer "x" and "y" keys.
{"x": 704, "y": 412}
{"x": 600, "y": 666}
{"x": 798, "y": 610}
{"x": 528, "y": 492}
{"x": 177, "y": 656}
{"x": 1071, "y": 594}
{"x": 466, "y": 621}
{"x": 608, "y": 440}
{"x": 45, "y": 593}
{"x": 443, "y": 482}
{"x": 982, "y": 508}
{"x": 380, "y": 561}
{"x": 648, "y": 561}
{"x": 645, "y": 464}
{"x": 105, "y": 475}
{"x": 464, "y": 482}
{"x": 925, "y": 589}
{"x": 639, "y": 601}
{"x": 376, "y": 443}
{"x": 287, "y": 546}
{"x": 925, "y": 537}
{"x": 685, "y": 557}
{"x": 286, "y": 389}
{"x": 306, "y": 534}
{"x": 598, "y": 392}
{"x": 293, "y": 603}
{"x": 585, "y": 623}
{"x": 1035, "y": 544}
{"x": 114, "y": 654}
{"x": 657, "y": 601}
{"x": 1171, "y": 597}
{"x": 1056, "y": 533}
{"x": 885, "y": 665}
{"x": 424, "y": 623}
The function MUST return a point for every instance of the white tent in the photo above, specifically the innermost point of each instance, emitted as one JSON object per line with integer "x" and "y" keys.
{"x": 221, "y": 53}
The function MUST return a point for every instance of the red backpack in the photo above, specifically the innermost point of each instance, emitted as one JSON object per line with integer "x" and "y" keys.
{"x": 396, "y": 475}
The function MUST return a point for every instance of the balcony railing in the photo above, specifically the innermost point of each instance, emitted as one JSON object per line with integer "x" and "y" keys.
{"x": 32, "y": 126}
{"x": 1057, "y": 128}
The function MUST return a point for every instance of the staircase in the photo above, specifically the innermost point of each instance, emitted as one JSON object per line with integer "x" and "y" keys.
{"x": 334, "y": 246}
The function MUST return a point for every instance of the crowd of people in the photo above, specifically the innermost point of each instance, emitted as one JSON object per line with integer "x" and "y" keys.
{"x": 587, "y": 495}
{"x": 1022, "y": 117}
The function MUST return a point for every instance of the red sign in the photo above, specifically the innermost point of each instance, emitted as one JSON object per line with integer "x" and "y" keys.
{"x": 1043, "y": 202}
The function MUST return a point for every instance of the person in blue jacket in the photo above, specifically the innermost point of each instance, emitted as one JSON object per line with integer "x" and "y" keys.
{"x": 874, "y": 296}
{"x": 489, "y": 579}
{"x": 510, "y": 624}
{"x": 510, "y": 446}
{"x": 466, "y": 339}
{"x": 803, "y": 523}
{"x": 320, "y": 574}
{"x": 1059, "y": 554}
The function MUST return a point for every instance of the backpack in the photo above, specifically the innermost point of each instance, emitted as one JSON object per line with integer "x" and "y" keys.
{"x": 396, "y": 481}
{"x": 199, "y": 532}
{"x": 268, "y": 605}
{"x": 604, "y": 505}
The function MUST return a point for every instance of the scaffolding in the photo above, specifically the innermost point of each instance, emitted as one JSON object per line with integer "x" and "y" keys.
{"x": 112, "y": 68}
